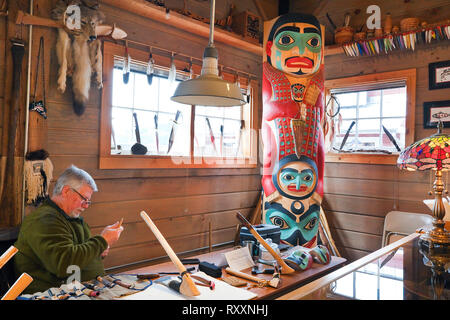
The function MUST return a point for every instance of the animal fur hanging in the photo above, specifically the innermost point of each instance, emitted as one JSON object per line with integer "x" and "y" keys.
{"x": 38, "y": 171}
{"x": 79, "y": 52}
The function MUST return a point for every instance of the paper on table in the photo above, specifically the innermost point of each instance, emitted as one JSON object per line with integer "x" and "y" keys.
{"x": 239, "y": 259}
{"x": 222, "y": 291}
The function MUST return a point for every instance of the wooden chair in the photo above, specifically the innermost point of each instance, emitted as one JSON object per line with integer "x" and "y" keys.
{"x": 403, "y": 223}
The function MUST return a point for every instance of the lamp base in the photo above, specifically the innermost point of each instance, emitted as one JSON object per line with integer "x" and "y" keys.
{"x": 435, "y": 235}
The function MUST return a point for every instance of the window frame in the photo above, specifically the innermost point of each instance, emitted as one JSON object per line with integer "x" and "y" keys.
{"x": 111, "y": 161}
{"x": 362, "y": 82}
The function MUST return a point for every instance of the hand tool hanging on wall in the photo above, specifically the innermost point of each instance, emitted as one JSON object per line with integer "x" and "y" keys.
{"x": 172, "y": 132}
{"x": 241, "y": 129}
{"x": 275, "y": 255}
{"x": 211, "y": 135}
{"x": 39, "y": 106}
{"x": 8, "y": 194}
{"x": 249, "y": 90}
{"x": 126, "y": 65}
{"x": 391, "y": 138}
{"x": 187, "y": 286}
{"x": 221, "y": 139}
{"x": 346, "y": 135}
{"x": 155, "y": 118}
{"x": 172, "y": 70}
{"x": 138, "y": 148}
{"x": 150, "y": 68}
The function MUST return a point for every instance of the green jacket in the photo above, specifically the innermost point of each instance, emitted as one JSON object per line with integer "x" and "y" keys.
{"x": 49, "y": 242}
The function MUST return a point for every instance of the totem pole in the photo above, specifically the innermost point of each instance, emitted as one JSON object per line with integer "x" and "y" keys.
{"x": 293, "y": 108}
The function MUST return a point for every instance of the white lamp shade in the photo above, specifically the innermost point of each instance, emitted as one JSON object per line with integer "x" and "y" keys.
{"x": 208, "y": 90}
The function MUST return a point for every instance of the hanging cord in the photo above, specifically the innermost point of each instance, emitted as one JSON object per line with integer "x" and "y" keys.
{"x": 40, "y": 106}
{"x": 332, "y": 96}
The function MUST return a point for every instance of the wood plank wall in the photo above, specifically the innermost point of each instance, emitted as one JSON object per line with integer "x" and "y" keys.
{"x": 182, "y": 202}
{"x": 358, "y": 196}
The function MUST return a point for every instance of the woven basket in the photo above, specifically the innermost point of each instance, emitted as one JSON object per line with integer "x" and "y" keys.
{"x": 409, "y": 24}
{"x": 343, "y": 34}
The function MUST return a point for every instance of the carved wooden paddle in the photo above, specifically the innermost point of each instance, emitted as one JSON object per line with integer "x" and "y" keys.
{"x": 284, "y": 267}
{"x": 187, "y": 286}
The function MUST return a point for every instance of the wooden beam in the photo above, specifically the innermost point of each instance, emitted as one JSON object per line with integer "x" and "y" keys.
{"x": 176, "y": 20}
{"x": 28, "y": 19}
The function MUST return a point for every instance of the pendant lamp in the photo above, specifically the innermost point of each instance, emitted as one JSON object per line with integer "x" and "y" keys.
{"x": 209, "y": 89}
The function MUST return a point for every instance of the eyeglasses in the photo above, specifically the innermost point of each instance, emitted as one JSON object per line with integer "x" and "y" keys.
{"x": 84, "y": 199}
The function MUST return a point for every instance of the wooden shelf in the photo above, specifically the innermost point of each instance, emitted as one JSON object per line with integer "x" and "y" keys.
{"x": 145, "y": 9}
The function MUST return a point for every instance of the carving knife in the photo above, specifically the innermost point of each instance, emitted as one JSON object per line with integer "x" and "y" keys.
{"x": 346, "y": 135}
{"x": 156, "y": 133}
{"x": 391, "y": 138}
{"x": 172, "y": 132}
{"x": 211, "y": 134}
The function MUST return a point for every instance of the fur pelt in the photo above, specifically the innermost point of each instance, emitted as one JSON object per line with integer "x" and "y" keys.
{"x": 79, "y": 53}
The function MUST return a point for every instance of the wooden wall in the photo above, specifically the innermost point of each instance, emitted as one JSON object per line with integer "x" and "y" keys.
{"x": 182, "y": 202}
{"x": 358, "y": 196}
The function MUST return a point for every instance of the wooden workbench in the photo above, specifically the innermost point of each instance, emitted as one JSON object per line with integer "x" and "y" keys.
{"x": 289, "y": 282}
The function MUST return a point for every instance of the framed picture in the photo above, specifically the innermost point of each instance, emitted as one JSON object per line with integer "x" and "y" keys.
{"x": 435, "y": 110}
{"x": 439, "y": 75}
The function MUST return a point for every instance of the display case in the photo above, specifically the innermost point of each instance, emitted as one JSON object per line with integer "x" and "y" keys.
{"x": 404, "y": 270}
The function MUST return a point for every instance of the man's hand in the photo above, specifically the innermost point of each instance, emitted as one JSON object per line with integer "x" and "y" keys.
{"x": 105, "y": 253}
{"x": 112, "y": 232}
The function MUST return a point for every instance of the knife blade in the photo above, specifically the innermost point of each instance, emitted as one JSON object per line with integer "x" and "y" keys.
{"x": 156, "y": 132}
{"x": 172, "y": 132}
{"x": 346, "y": 135}
{"x": 211, "y": 134}
{"x": 391, "y": 138}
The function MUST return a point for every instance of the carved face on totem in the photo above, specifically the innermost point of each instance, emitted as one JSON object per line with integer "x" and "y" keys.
{"x": 295, "y": 179}
{"x": 295, "y": 47}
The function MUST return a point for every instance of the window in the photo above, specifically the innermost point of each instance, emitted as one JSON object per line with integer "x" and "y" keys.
{"x": 376, "y": 116}
{"x": 174, "y": 135}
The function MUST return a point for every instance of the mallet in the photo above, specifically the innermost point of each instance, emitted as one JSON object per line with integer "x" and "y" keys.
{"x": 284, "y": 267}
{"x": 187, "y": 287}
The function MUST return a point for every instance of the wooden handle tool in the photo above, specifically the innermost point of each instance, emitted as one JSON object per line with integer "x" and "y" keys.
{"x": 24, "y": 281}
{"x": 260, "y": 281}
{"x": 284, "y": 267}
{"x": 8, "y": 254}
{"x": 187, "y": 287}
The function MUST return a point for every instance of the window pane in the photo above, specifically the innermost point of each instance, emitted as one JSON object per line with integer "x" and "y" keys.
{"x": 348, "y": 112}
{"x": 122, "y": 128}
{"x": 374, "y": 96}
{"x": 394, "y": 102}
{"x": 347, "y": 99}
{"x": 122, "y": 95}
{"x": 231, "y": 136}
{"x": 397, "y": 129}
{"x": 369, "y": 134}
{"x": 206, "y": 138}
{"x": 167, "y": 90}
{"x": 375, "y": 107}
{"x": 226, "y": 145}
{"x": 145, "y": 95}
{"x": 147, "y": 101}
{"x": 371, "y": 110}
{"x": 350, "y": 143}
{"x": 233, "y": 112}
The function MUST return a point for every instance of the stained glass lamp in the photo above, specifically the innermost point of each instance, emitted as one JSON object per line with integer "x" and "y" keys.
{"x": 432, "y": 153}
